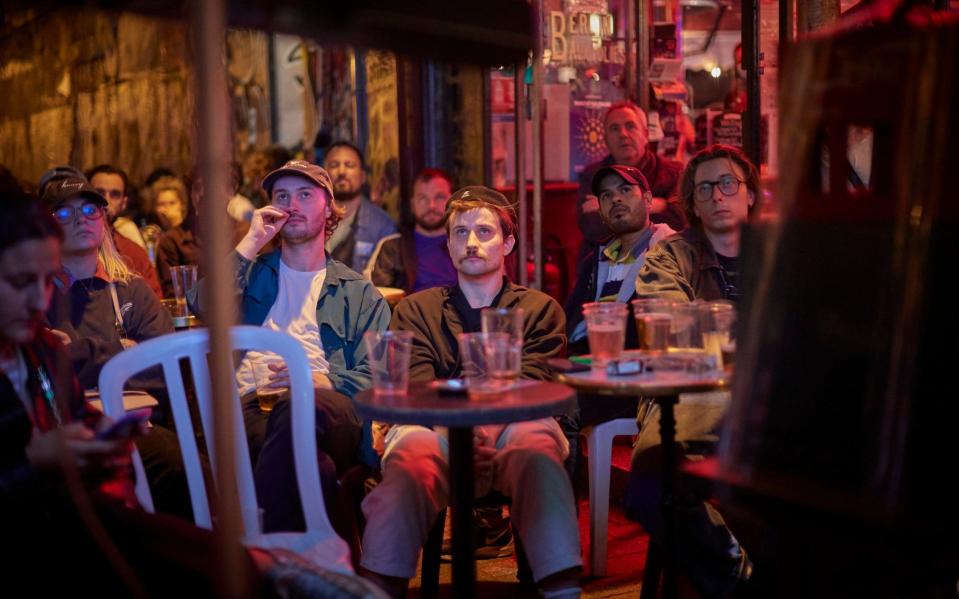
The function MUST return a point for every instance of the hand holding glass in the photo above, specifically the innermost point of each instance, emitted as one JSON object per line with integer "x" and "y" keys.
{"x": 271, "y": 385}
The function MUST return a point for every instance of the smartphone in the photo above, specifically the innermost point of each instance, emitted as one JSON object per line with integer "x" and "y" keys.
{"x": 131, "y": 425}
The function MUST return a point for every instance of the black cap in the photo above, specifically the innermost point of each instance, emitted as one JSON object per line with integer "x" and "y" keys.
{"x": 484, "y": 194}
{"x": 61, "y": 190}
{"x": 630, "y": 174}
{"x": 57, "y": 173}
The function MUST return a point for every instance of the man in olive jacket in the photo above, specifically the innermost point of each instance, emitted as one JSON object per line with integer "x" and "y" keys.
{"x": 523, "y": 460}
{"x": 719, "y": 190}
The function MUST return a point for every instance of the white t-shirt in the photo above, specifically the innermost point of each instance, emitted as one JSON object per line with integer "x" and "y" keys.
{"x": 293, "y": 312}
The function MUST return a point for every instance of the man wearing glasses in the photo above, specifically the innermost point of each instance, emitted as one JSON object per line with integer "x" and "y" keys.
{"x": 113, "y": 184}
{"x": 300, "y": 290}
{"x": 719, "y": 190}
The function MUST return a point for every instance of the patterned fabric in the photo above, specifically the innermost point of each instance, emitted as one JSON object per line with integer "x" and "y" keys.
{"x": 617, "y": 262}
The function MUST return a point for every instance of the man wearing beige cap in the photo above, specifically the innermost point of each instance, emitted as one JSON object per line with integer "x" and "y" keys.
{"x": 300, "y": 290}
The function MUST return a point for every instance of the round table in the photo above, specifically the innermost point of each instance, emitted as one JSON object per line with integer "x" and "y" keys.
{"x": 664, "y": 388}
{"x": 526, "y": 400}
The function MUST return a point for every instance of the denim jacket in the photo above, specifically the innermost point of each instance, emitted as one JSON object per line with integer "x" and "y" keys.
{"x": 348, "y": 307}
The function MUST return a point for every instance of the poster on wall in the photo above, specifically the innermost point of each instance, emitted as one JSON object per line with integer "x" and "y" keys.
{"x": 383, "y": 149}
{"x": 725, "y": 128}
{"x": 587, "y": 135}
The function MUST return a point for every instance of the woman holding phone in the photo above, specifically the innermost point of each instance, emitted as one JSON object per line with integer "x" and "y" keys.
{"x": 67, "y": 509}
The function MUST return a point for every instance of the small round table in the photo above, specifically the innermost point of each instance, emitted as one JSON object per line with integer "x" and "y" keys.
{"x": 664, "y": 388}
{"x": 527, "y": 400}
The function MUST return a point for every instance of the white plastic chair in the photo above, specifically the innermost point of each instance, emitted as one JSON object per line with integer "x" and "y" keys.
{"x": 319, "y": 543}
{"x": 599, "y": 443}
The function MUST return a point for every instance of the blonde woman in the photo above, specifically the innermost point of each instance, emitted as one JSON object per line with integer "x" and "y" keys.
{"x": 171, "y": 204}
{"x": 101, "y": 306}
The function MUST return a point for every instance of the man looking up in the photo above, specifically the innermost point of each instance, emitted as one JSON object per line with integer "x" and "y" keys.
{"x": 300, "y": 290}
{"x": 417, "y": 257}
{"x": 627, "y": 138}
{"x": 112, "y": 183}
{"x": 524, "y": 459}
{"x": 363, "y": 223}
{"x": 608, "y": 274}
{"x": 719, "y": 191}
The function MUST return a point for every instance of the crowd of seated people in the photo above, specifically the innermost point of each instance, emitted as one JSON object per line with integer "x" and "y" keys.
{"x": 310, "y": 250}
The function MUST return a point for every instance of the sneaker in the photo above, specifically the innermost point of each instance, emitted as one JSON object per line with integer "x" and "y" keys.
{"x": 492, "y": 536}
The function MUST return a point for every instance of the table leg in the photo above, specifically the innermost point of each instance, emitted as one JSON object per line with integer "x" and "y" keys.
{"x": 461, "y": 502}
{"x": 667, "y": 434}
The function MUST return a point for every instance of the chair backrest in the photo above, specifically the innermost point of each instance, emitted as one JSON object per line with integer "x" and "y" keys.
{"x": 167, "y": 351}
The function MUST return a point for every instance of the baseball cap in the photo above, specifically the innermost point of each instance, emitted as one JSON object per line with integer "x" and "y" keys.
{"x": 57, "y": 173}
{"x": 61, "y": 190}
{"x": 299, "y": 168}
{"x": 484, "y": 194}
{"x": 630, "y": 174}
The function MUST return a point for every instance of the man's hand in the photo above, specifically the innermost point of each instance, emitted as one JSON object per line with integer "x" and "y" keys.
{"x": 61, "y": 336}
{"x": 590, "y": 204}
{"x": 280, "y": 379}
{"x": 266, "y": 223}
{"x": 127, "y": 343}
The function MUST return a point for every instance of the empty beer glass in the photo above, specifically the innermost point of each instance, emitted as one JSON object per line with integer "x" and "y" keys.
{"x": 389, "y": 356}
{"x": 510, "y": 322}
{"x": 718, "y": 319}
{"x": 184, "y": 279}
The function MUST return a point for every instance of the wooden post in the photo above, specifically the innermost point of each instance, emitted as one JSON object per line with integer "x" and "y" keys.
{"x": 213, "y": 152}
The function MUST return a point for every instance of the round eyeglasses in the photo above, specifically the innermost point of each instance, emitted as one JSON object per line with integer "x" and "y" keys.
{"x": 68, "y": 214}
{"x": 728, "y": 185}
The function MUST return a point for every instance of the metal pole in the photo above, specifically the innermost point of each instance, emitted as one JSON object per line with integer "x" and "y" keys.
{"x": 750, "y": 40}
{"x": 643, "y": 21}
{"x": 519, "y": 117}
{"x": 213, "y": 153}
{"x": 487, "y": 129}
{"x": 538, "y": 151}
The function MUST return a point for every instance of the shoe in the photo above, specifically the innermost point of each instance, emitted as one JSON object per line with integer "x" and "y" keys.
{"x": 492, "y": 536}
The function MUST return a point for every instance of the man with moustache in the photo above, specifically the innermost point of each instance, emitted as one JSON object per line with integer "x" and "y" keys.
{"x": 417, "y": 258}
{"x": 523, "y": 460}
{"x": 300, "y": 290}
{"x": 364, "y": 223}
{"x": 627, "y": 138}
